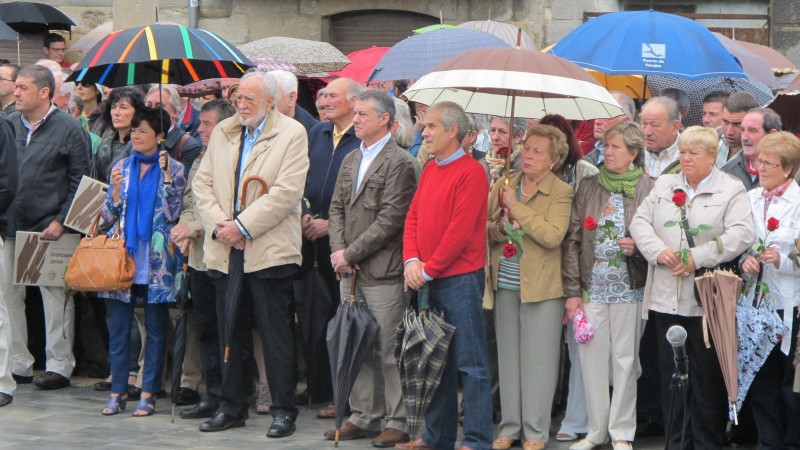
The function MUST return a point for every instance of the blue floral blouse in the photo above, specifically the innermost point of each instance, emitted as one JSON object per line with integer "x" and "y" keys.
{"x": 165, "y": 262}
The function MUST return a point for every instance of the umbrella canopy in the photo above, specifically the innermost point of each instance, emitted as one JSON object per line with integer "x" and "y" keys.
{"x": 363, "y": 63}
{"x": 719, "y": 291}
{"x": 779, "y": 63}
{"x": 436, "y": 26}
{"x": 631, "y": 85}
{"x": 179, "y": 349}
{"x": 307, "y": 56}
{"x": 34, "y": 17}
{"x": 7, "y": 33}
{"x": 758, "y": 330}
{"x": 351, "y": 334}
{"x": 752, "y": 64}
{"x": 787, "y": 105}
{"x": 421, "y": 345}
{"x": 159, "y": 53}
{"x": 511, "y": 82}
{"x": 206, "y": 87}
{"x": 415, "y": 56}
{"x": 505, "y": 31}
{"x": 648, "y": 43}
{"x": 90, "y": 39}
{"x": 698, "y": 89}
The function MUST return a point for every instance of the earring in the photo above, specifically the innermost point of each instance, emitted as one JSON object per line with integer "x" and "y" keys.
{"x": 551, "y": 167}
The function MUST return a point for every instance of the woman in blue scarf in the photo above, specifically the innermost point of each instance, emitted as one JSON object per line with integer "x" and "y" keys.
{"x": 146, "y": 195}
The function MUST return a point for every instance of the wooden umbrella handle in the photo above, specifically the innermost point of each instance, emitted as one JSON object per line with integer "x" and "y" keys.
{"x": 246, "y": 183}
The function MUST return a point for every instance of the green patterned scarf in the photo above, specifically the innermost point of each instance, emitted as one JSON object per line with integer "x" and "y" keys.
{"x": 620, "y": 182}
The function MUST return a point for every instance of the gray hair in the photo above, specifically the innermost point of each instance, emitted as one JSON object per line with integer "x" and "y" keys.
{"x": 451, "y": 114}
{"x": 223, "y": 108}
{"x": 770, "y": 119}
{"x": 74, "y": 100}
{"x": 740, "y": 102}
{"x": 673, "y": 113}
{"x": 627, "y": 103}
{"x": 354, "y": 88}
{"x": 381, "y": 100}
{"x": 520, "y": 124}
{"x": 173, "y": 99}
{"x": 287, "y": 81}
{"x": 404, "y": 135}
{"x": 267, "y": 80}
{"x": 40, "y": 76}
{"x": 680, "y": 96}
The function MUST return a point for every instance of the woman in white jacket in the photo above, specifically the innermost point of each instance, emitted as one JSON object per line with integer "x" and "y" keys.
{"x": 776, "y": 218}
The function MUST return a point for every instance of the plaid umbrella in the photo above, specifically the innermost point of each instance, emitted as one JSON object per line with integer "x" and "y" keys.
{"x": 505, "y": 31}
{"x": 159, "y": 53}
{"x": 351, "y": 333}
{"x": 719, "y": 290}
{"x": 421, "y": 347}
{"x": 308, "y": 57}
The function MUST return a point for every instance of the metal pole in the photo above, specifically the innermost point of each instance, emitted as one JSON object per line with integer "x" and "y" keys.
{"x": 194, "y": 10}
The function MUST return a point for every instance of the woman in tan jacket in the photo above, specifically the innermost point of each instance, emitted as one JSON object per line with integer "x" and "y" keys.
{"x": 529, "y": 296}
{"x": 604, "y": 276}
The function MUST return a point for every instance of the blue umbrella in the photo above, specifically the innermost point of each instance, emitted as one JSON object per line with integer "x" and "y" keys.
{"x": 648, "y": 43}
{"x": 414, "y": 57}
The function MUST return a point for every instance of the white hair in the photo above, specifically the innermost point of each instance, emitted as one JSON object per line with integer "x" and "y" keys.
{"x": 267, "y": 80}
{"x": 287, "y": 82}
{"x": 174, "y": 99}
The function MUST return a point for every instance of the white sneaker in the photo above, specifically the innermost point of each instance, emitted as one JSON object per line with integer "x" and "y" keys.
{"x": 584, "y": 444}
{"x": 623, "y": 446}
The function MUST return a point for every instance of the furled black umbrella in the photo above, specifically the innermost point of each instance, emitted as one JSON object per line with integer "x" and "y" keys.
{"x": 179, "y": 350}
{"x": 351, "y": 334}
{"x": 421, "y": 345}
{"x": 235, "y": 273}
{"x": 314, "y": 305}
{"x": 160, "y": 53}
{"x": 34, "y": 17}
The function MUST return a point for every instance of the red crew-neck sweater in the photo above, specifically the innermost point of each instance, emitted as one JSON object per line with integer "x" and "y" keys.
{"x": 446, "y": 223}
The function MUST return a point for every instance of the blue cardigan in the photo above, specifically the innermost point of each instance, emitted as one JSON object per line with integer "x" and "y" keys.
{"x": 325, "y": 162}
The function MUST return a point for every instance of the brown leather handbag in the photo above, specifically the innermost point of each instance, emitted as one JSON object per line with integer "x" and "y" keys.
{"x": 101, "y": 263}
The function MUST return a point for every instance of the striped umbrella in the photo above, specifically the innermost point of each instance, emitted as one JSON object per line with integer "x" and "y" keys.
{"x": 160, "y": 53}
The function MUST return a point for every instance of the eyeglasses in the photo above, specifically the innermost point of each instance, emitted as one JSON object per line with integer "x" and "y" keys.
{"x": 59, "y": 50}
{"x": 6, "y": 79}
{"x": 765, "y": 164}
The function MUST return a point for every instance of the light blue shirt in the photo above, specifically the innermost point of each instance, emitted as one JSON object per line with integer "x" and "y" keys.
{"x": 458, "y": 154}
{"x": 600, "y": 152}
{"x": 368, "y": 154}
{"x": 247, "y": 148}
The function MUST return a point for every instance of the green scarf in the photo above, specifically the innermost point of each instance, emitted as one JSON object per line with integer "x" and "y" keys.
{"x": 620, "y": 182}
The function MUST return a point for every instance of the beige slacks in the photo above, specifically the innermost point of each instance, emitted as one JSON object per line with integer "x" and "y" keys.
{"x": 611, "y": 356}
{"x": 7, "y": 384}
{"x": 528, "y": 348}
{"x": 377, "y": 393}
{"x": 59, "y": 321}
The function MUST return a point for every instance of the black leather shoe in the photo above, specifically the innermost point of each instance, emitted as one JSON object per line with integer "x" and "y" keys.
{"x": 51, "y": 380}
{"x": 5, "y": 399}
{"x": 282, "y": 426}
{"x": 201, "y": 410}
{"x": 221, "y": 422}
{"x": 187, "y": 396}
{"x": 22, "y": 379}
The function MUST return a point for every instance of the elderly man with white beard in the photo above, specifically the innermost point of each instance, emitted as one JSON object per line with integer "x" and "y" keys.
{"x": 257, "y": 141}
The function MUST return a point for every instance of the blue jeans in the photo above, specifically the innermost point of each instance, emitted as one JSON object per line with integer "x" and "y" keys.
{"x": 460, "y": 298}
{"x": 119, "y": 331}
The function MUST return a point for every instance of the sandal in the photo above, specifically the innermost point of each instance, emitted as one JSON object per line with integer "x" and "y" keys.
{"x": 114, "y": 405}
{"x": 147, "y": 406}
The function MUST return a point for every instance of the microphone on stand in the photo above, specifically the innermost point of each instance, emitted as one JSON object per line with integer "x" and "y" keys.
{"x": 676, "y": 336}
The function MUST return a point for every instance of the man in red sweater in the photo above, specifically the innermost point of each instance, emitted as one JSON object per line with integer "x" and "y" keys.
{"x": 444, "y": 245}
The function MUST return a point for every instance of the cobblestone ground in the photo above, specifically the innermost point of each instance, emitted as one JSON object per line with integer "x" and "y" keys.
{"x": 70, "y": 419}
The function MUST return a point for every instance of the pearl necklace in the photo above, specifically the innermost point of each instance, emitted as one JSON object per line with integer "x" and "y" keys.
{"x": 522, "y": 180}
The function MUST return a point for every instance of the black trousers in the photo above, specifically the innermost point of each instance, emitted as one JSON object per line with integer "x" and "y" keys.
{"x": 776, "y": 407}
{"x": 707, "y": 396}
{"x": 265, "y": 303}
{"x": 648, "y": 395}
{"x": 204, "y": 308}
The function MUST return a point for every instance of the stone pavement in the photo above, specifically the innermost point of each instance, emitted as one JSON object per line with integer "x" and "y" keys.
{"x": 70, "y": 419}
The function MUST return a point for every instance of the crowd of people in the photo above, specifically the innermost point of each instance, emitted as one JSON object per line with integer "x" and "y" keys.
{"x": 603, "y": 222}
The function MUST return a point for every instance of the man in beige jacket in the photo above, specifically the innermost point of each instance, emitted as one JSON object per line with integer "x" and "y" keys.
{"x": 257, "y": 141}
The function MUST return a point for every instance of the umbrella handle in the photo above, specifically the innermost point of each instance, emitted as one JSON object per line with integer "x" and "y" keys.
{"x": 246, "y": 183}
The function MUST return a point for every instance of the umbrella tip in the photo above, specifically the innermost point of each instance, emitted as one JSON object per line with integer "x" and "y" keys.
{"x": 336, "y": 441}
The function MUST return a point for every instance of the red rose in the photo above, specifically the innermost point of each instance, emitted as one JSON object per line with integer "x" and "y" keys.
{"x": 679, "y": 198}
{"x": 502, "y": 152}
{"x": 590, "y": 223}
{"x": 509, "y": 250}
{"x": 773, "y": 224}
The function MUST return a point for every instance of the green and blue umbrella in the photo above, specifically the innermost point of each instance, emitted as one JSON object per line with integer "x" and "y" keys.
{"x": 160, "y": 53}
